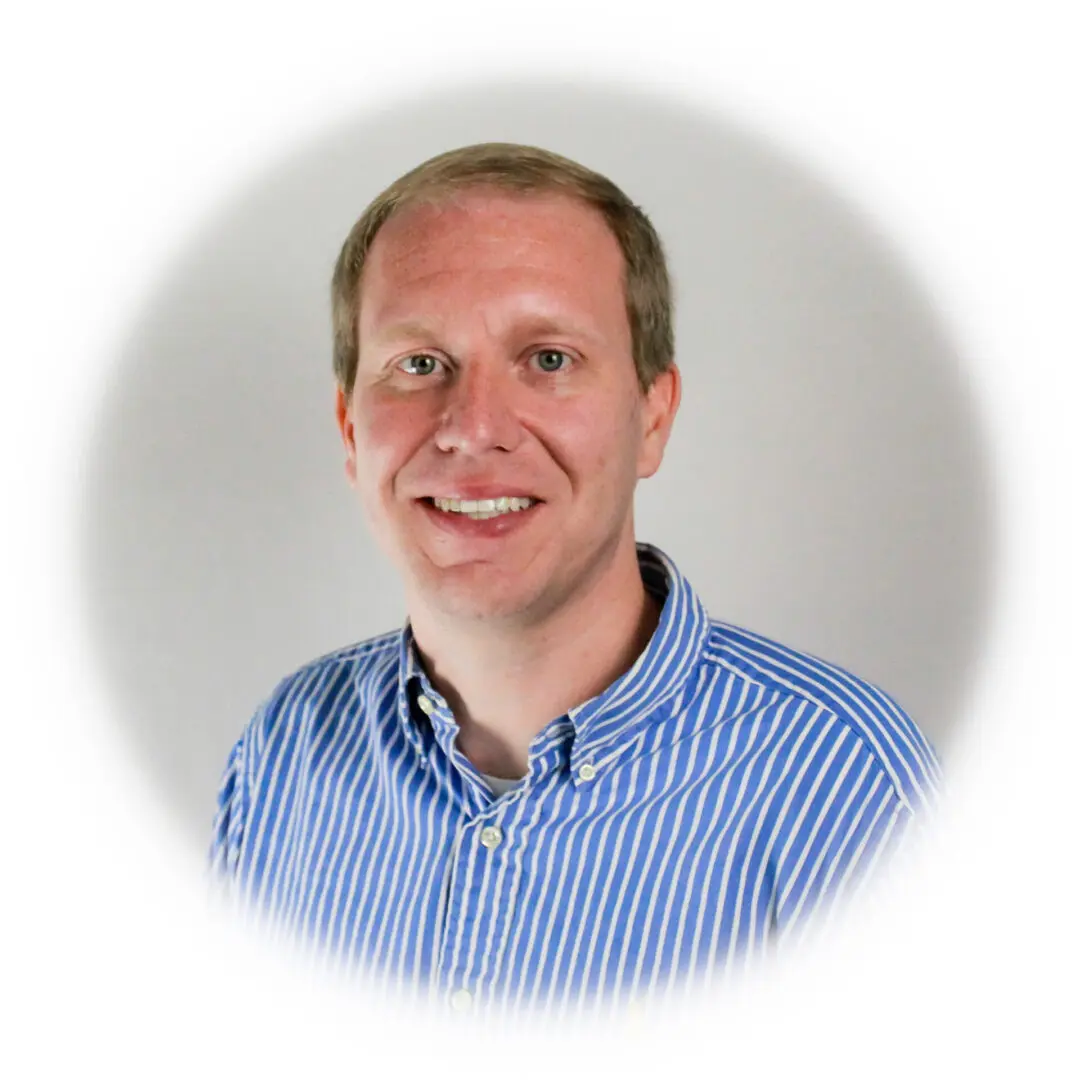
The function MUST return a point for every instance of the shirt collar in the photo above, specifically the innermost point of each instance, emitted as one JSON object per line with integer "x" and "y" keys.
{"x": 603, "y": 724}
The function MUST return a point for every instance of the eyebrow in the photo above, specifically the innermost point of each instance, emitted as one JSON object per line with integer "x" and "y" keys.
{"x": 407, "y": 328}
{"x": 529, "y": 326}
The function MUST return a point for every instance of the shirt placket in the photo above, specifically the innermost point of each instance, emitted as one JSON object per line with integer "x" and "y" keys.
{"x": 472, "y": 923}
{"x": 478, "y": 914}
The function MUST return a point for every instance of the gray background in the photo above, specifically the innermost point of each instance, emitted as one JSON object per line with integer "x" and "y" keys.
{"x": 825, "y": 484}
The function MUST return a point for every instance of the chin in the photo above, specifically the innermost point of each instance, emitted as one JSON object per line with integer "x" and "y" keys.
{"x": 472, "y": 592}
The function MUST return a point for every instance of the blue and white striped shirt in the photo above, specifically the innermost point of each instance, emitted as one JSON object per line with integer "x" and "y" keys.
{"x": 703, "y": 805}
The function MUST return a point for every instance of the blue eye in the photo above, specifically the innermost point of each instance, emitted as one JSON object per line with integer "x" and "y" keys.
{"x": 549, "y": 360}
{"x": 427, "y": 364}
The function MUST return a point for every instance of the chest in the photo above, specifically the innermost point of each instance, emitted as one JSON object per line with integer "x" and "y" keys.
{"x": 657, "y": 867}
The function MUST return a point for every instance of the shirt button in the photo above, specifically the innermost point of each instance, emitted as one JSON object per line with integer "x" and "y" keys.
{"x": 461, "y": 1001}
{"x": 491, "y": 837}
{"x": 426, "y": 704}
{"x": 587, "y": 771}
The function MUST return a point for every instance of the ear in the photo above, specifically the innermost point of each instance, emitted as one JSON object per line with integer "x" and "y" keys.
{"x": 348, "y": 435}
{"x": 658, "y": 414}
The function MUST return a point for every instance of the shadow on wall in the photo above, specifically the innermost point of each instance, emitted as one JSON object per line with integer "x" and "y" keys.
{"x": 825, "y": 484}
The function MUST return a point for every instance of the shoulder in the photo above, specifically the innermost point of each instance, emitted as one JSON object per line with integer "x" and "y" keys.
{"x": 890, "y": 736}
{"x": 323, "y": 689}
{"x": 326, "y": 694}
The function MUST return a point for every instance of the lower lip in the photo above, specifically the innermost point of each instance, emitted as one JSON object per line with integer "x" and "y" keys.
{"x": 486, "y": 528}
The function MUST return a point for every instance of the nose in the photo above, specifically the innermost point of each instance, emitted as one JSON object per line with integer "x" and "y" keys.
{"x": 479, "y": 413}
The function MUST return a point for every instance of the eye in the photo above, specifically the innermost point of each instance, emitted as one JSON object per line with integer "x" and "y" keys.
{"x": 552, "y": 360}
{"x": 422, "y": 364}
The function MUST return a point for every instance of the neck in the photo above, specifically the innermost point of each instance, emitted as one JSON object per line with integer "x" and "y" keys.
{"x": 506, "y": 682}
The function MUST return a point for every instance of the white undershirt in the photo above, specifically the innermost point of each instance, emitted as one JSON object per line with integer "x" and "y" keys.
{"x": 499, "y": 785}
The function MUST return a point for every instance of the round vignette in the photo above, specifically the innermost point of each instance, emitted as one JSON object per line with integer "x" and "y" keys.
{"x": 645, "y": 537}
{"x": 306, "y": 468}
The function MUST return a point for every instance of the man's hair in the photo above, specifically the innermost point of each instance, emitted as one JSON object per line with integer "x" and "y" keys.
{"x": 523, "y": 170}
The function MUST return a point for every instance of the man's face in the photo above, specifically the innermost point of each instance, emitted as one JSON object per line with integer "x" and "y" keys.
{"x": 495, "y": 360}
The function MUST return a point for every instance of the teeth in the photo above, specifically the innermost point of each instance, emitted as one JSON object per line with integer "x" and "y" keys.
{"x": 481, "y": 509}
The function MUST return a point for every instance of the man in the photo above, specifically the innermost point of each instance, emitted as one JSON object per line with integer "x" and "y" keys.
{"x": 561, "y": 778}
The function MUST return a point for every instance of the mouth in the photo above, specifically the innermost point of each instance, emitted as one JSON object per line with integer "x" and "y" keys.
{"x": 481, "y": 518}
{"x": 482, "y": 509}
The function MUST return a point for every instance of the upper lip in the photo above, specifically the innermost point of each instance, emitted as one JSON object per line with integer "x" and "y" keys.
{"x": 476, "y": 492}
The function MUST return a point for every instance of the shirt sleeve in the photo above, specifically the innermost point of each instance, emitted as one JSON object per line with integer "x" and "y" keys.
{"x": 848, "y": 842}
{"x": 228, "y": 829}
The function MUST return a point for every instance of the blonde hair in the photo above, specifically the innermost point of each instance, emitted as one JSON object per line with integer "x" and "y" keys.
{"x": 521, "y": 169}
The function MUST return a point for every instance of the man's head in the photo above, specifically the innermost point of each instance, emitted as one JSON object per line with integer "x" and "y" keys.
{"x": 510, "y": 168}
{"x": 502, "y": 322}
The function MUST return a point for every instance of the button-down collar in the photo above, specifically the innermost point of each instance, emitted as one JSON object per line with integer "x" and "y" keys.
{"x": 605, "y": 725}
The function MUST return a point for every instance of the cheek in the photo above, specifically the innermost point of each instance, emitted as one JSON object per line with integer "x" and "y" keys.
{"x": 598, "y": 445}
{"x": 387, "y": 436}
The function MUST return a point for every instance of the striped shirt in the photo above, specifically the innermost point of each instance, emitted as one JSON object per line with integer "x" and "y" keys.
{"x": 706, "y": 803}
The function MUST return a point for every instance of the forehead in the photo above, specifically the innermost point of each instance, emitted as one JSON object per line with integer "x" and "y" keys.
{"x": 493, "y": 244}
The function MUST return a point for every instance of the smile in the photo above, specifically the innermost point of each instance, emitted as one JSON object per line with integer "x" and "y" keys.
{"x": 481, "y": 509}
{"x": 481, "y": 520}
